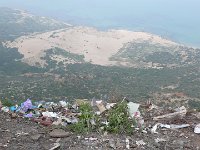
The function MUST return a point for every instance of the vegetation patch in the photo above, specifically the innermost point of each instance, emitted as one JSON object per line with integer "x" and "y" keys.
{"x": 115, "y": 120}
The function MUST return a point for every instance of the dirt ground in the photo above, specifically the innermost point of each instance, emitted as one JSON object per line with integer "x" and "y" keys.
{"x": 22, "y": 134}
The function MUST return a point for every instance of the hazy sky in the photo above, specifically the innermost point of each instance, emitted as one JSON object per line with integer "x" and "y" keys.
{"x": 93, "y": 7}
{"x": 173, "y": 18}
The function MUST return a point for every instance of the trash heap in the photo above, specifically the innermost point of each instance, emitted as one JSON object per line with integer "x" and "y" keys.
{"x": 84, "y": 115}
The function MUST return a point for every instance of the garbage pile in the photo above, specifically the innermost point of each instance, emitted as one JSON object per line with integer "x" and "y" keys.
{"x": 81, "y": 115}
{"x": 109, "y": 116}
{"x": 144, "y": 126}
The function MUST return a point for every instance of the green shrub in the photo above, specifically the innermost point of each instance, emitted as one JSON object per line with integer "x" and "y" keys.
{"x": 7, "y": 103}
{"x": 119, "y": 120}
{"x": 84, "y": 124}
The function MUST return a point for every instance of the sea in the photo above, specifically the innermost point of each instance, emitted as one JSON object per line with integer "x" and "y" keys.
{"x": 177, "y": 20}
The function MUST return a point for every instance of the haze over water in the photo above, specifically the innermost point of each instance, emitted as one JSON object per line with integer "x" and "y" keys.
{"x": 178, "y": 20}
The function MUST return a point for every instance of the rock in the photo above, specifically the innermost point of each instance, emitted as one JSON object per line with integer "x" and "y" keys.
{"x": 112, "y": 144}
{"x": 36, "y": 137}
{"x": 59, "y": 133}
{"x": 13, "y": 115}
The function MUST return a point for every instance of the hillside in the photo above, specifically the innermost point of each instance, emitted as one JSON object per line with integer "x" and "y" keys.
{"x": 83, "y": 62}
{"x": 96, "y": 46}
{"x": 15, "y": 23}
{"x": 106, "y": 48}
{"x": 35, "y": 37}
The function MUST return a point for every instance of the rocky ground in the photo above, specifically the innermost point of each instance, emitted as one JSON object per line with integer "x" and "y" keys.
{"x": 19, "y": 133}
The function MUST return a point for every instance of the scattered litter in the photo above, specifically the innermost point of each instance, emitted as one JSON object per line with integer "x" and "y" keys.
{"x": 19, "y": 133}
{"x": 157, "y": 140}
{"x": 49, "y": 114}
{"x": 91, "y": 139}
{"x": 62, "y": 113}
{"x": 197, "y": 128}
{"x": 171, "y": 126}
{"x": 28, "y": 115}
{"x": 141, "y": 142}
{"x": 174, "y": 126}
{"x": 63, "y": 103}
{"x": 127, "y": 144}
{"x": 13, "y": 108}
{"x": 100, "y": 106}
{"x": 110, "y": 105}
{"x": 152, "y": 106}
{"x": 165, "y": 126}
{"x": 180, "y": 111}
{"x": 26, "y": 105}
{"x": 133, "y": 109}
{"x": 5, "y": 109}
{"x": 56, "y": 146}
{"x": 153, "y": 130}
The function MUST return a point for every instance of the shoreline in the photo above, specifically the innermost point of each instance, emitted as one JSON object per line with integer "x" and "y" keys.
{"x": 175, "y": 40}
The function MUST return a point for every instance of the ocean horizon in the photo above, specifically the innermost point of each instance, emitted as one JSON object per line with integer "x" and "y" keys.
{"x": 175, "y": 20}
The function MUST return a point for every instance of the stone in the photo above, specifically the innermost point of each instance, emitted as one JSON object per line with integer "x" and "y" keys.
{"x": 112, "y": 144}
{"x": 59, "y": 133}
{"x": 36, "y": 137}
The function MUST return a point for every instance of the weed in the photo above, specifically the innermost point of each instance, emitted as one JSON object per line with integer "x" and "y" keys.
{"x": 7, "y": 103}
{"x": 119, "y": 120}
{"x": 84, "y": 125}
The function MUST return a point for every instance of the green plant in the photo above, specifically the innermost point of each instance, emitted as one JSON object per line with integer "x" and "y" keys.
{"x": 119, "y": 120}
{"x": 84, "y": 124}
{"x": 7, "y": 103}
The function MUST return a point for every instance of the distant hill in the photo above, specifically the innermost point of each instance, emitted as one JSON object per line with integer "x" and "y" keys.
{"x": 50, "y": 59}
{"x": 50, "y": 44}
{"x": 106, "y": 48}
{"x": 15, "y": 23}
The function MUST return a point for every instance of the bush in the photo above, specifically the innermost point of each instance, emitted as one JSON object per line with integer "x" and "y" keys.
{"x": 119, "y": 120}
{"x": 7, "y": 103}
{"x": 84, "y": 124}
